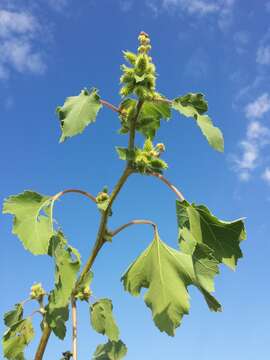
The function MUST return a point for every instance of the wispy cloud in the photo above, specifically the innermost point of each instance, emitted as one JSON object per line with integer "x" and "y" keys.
{"x": 222, "y": 10}
{"x": 125, "y": 5}
{"x": 58, "y": 5}
{"x": 263, "y": 52}
{"x": 259, "y": 107}
{"x": 199, "y": 7}
{"x": 257, "y": 137}
{"x": 18, "y": 30}
{"x": 266, "y": 175}
{"x": 241, "y": 40}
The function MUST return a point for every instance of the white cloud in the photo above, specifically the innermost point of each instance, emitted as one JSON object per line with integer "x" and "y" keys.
{"x": 222, "y": 10}
{"x": 241, "y": 39}
{"x": 126, "y": 5}
{"x": 225, "y": 14}
{"x": 256, "y": 131}
{"x": 263, "y": 55}
{"x": 199, "y": 7}
{"x": 266, "y": 175}
{"x": 18, "y": 31}
{"x": 263, "y": 52}
{"x": 259, "y": 107}
{"x": 58, "y": 5}
{"x": 12, "y": 23}
{"x": 20, "y": 56}
{"x": 257, "y": 137}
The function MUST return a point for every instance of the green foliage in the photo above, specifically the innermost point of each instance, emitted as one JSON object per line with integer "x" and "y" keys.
{"x": 112, "y": 350}
{"x": 146, "y": 160}
{"x": 194, "y": 105}
{"x": 78, "y": 112}
{"x": 198, "y": 226}
{"x": 205, "y": 241}
{"x": 167, "y": 273}
{"x": 37, "y": 292}
{"x": 67, "y": 264}
{"x": 13, "y": 316}
{"x": 152, "y": 112}
{"x": 140, "y": 78}
{"x": 83, "y": 291}
{"x": 32, "y": 222}
{"x": 56, "y": 317}
{"x": 16, "y": 338}
{"x": 102, "y": 319}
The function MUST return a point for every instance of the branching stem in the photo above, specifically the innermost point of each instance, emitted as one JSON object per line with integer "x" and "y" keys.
{"x": 170, "y": 185}
{"x": 133, "y": 222}
{"x": 100, "y": 240}
{"x": 85, "y": 193}
{"x": 110, "y": 106}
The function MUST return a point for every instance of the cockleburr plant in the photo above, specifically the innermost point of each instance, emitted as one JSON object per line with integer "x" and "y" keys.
{"x": 204, "y": 241}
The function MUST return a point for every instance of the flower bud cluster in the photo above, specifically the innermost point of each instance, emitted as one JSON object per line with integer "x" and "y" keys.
{"x": 140, "y": 78}
{"x": 147, "y": 159}
{"x": 37, "y": 292}
{"x": 83, "y": 294}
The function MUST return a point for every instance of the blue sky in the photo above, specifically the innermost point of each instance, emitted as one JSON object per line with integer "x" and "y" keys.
{"x": 53, "y": 49}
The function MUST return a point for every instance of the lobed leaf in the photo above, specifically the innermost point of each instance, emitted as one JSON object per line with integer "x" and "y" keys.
{"x": 78, "y": 112}
{"x": 102, "y": 319}
{"x": 16, "y": 338}
{"x": 194, "y": 105}
{"x": 197, "y": 225}
{"x": 167, "y": 273}
{"x": 13, "y": 316}
{"x": 112, "y": 350}
{"x": 150, "y": 116}
{"x": 67, "y": 265}
{"x": 32, "y": 227}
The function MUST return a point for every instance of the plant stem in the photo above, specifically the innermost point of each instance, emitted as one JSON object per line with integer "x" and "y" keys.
{"x": 74, "y": 328}
{"x": 171, "y": 186}
{"x": 133, "y": 222}
{"x": 102, "y": 227}
{"x": 85, "y": 193}
{"x": 132, "y": 129}
{"x": 110, "y": 106}
{"x": 43, "y": 341}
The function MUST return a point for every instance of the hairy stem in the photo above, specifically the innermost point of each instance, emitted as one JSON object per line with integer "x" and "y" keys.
{"x": 110, "y": 106}
{"x": 43, "y": 341}
{"x": 102, "y": 226}
{"x": 74, "y": 329}
{"x": 171, "y": 186}
{"x": 85, "y": 193}
{"x": 132, "y": 130}
{"x": 133, "y": 222}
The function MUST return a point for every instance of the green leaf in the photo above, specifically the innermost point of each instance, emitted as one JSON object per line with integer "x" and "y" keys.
{"x": 16, "y": 338}
{"x": 102, "y": 319}
{"x": 150, "y": 115}
{"x": 83, "y": 287}
{"x": 13, "y": 316}
{"x": 67, "y": 265}
{"x": 222, "y": 237}
{"x": 167, "y": 273}
{"x": 78, "y": 112}
{"x": 191, "y": 104}
{"x": 32, "y": 227}
{"x": 125, "y": 154}
{"x": 112, "y": 350}
{"x": 194, "y": 105}
{"x": 56, "y": 319}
